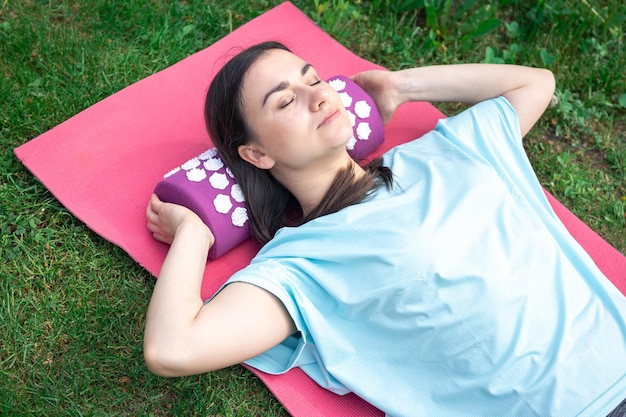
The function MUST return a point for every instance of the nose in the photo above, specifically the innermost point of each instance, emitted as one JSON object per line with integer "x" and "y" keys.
{"x": 319, "y": 98}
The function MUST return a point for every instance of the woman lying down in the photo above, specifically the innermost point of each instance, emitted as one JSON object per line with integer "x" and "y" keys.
{"x": 435, "y": 281}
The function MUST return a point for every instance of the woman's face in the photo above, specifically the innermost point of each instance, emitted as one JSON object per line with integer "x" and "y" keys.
{"x": 297, "y": 119}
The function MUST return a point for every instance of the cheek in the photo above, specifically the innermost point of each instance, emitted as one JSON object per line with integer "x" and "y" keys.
{"x": 288, "y": 124}
{"x": 346, "y": 126}
{"x": 261, "y": 125}
{"x": 272, "y": 133}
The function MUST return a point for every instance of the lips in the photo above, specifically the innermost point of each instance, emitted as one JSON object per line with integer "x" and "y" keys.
{"x": 329, "y": 116}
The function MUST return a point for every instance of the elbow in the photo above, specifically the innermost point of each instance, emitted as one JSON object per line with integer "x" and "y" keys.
{"x": 171, "y": 356}
{"x": 163, "y": 360}
{"x": 544, "y": 89}
{"x": 548, "y": 84}
{"x": 156, "y": 361}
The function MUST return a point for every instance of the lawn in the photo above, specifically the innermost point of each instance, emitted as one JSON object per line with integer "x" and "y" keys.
{"x": 72, "y": 305}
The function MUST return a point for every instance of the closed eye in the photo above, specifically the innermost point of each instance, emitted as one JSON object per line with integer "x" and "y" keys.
{"x": 293, "y": 98}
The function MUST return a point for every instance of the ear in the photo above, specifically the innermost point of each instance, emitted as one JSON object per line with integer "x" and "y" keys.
{"x": 253, "y": 155}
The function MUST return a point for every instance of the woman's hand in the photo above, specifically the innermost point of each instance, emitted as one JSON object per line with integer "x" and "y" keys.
{"x": 165, "y": 219}
{"x": 379, "y": 85}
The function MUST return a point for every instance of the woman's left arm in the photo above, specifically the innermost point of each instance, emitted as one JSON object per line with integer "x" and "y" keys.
{"x": 529, "y": 90}
{"x": 185, "y": 336}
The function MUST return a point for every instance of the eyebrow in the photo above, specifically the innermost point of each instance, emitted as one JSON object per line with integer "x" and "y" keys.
{"x": 284, "y": 84}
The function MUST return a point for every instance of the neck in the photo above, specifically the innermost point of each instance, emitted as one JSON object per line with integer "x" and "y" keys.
{"x": 310, "y": 185}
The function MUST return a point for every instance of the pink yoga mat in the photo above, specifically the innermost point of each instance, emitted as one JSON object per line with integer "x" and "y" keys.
{"x": 103, "y": 164}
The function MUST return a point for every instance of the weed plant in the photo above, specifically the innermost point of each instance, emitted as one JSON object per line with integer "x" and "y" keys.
{"x": 72, "y": 305}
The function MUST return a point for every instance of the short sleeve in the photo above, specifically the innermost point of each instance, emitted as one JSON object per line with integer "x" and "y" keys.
{"x": 298, "y": 350}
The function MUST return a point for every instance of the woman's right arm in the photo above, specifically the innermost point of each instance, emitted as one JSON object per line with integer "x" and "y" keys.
{"x": 529, "y": 90}
{"x": 183, "y": 335}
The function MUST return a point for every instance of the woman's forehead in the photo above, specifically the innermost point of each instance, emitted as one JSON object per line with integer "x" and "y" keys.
{"x": 277, "y": 63}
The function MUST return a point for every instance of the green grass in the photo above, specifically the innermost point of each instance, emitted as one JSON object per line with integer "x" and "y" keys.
{"x": 72, "y": 305}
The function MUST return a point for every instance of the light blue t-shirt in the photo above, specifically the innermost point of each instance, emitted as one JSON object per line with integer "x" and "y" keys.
{"x": 456, "y": 293}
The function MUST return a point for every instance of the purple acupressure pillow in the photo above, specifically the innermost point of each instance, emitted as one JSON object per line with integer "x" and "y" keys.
{"x": 206, "y": 186}
{"x": 367, "y": 124}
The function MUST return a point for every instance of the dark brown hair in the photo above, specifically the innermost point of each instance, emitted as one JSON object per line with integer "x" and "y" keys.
{"x": 268, "y": 201}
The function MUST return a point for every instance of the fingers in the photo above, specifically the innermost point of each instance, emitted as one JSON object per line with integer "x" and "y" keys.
{"x": 155, "y": 203}
{"x": 154, "y": 222}
{"x": 164, "y": 219}
{"x": 152, "y": 214}
{"x": 162, "y": 238}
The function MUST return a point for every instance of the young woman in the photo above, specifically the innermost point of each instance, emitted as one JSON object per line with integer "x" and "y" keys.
{"x": 436, "y": 281}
